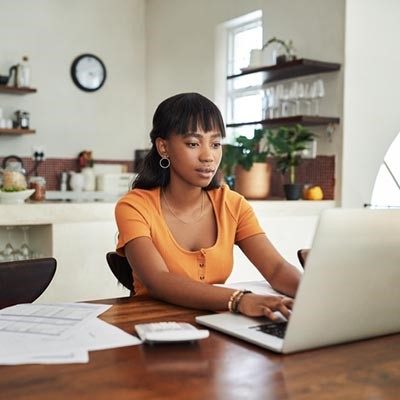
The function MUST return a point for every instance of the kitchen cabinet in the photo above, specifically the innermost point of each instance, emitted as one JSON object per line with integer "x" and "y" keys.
{"x": 16, "y": 91}
{"x": 288, "y": 70}
{"x": 77, "y": 235}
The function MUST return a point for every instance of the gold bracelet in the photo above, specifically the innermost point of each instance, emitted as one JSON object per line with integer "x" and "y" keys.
{"x": 232, "y": 299}
{"x": 235, "y": 305}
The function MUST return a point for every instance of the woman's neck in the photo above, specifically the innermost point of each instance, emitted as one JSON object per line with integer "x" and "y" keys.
{"x": 183, "y": 197}
{"x": 185, "y": 209}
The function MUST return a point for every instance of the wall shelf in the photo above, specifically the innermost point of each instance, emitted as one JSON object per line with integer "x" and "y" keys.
{"x": 16, "y": 90}
{"x": 306, "y": 120}
{"x": 290, "y": 69}
{"x": 16, "y": 131}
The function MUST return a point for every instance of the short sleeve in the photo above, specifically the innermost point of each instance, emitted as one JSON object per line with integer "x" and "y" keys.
{"x": 247, "y": 222}
{"x": 133, "y": 221}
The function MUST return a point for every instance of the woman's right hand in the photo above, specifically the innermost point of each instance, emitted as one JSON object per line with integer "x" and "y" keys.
{"x": 255, "y": 305}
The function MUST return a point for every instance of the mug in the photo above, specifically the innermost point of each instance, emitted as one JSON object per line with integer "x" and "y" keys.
{"x": 76, "y": 181}
{"x": 89, "y": 179}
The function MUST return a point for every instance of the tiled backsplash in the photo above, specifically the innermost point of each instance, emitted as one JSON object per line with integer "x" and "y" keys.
{"x": 315, "y": 171}
{"x": 51, "y": 168}
{"x": 318, "y": 171}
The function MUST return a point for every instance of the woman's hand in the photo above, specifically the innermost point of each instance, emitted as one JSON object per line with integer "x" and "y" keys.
{"x": 254, "y": 305}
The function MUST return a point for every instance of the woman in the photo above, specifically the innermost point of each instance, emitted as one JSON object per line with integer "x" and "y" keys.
{"x": 178, "y": 226}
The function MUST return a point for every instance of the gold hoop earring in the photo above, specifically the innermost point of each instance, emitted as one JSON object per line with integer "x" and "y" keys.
{"x": 164, "y": 162}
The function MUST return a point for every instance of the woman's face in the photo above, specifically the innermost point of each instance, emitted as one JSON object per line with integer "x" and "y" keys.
{"x": 194, "y": 156}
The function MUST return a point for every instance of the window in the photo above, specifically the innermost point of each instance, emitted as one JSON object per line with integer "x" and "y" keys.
{"x": 244, "y": 95}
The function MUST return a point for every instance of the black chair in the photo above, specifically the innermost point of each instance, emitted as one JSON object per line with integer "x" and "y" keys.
{"x": 121, "y": 269}
{"x": 24, "y": 281}
{"x": 302, "y": 256}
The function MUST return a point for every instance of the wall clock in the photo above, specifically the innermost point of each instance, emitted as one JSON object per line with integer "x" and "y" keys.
{"x": 88, "y": 72}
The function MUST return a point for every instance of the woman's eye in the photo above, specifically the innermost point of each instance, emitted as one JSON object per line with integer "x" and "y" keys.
{"x": 192, "y": 144}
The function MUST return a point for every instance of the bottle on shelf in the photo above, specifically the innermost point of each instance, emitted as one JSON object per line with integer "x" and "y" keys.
{"x": 24, "y": 73}
{"x": 63, "y": 181}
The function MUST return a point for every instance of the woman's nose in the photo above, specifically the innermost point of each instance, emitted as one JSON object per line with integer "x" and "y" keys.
{"x": 206, "y": 154}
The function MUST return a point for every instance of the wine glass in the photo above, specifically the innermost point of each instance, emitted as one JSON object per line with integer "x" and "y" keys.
{"x": 300, "y": 98}
{"x": 307, "y": 98}
{"x": 25, "y": 251}
{"x": 294, "y": 98}
{"x": 319, "y": 93}
{"x": 8, "y": 252}
{"x": 270, "y": 105}
{"x": 279, "y": 93}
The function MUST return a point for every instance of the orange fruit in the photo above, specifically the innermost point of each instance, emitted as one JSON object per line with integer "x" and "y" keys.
{"x": 314, "y": 193}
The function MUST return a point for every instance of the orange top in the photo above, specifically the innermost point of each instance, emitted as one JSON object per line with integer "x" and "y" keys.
{"x": 139, "y": 214}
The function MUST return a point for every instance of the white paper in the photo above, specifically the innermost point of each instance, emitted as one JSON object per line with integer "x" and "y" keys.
{"x": 71, "y": 357}
{"x": 99, "y": 335}
{"x": 56, "y": 333}
{"x": 48, "y": 320}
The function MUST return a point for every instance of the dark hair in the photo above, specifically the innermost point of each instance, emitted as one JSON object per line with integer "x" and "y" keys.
{"x": 178, "y": 114}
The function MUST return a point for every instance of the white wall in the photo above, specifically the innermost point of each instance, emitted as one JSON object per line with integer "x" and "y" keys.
{"x": 155, "y": 48}
{"x": 371, "y": 97}
{"x": 181, "y": 48}
{"x": 52, "y": 33}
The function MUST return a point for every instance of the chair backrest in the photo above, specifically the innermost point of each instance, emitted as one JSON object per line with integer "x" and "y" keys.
{"x": 121, "y": 269}
{"x": 24, "y": 281}
{"x": 302, "y": 256}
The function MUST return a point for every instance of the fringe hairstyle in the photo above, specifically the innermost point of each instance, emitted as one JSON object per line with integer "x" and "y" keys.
{"x": 178, "y": 114}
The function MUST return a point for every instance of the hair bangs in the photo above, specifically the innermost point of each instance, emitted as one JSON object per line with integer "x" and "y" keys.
{"x": 196, "y": 112}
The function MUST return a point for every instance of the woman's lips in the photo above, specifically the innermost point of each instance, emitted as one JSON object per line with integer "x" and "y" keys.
{"x": 206, "y": 172}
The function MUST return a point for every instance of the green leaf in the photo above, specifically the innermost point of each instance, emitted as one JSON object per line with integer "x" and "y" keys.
{"x": 286, "y": 144}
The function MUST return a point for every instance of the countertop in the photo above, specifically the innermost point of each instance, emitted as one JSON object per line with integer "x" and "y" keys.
{"x": 50, "y": 212}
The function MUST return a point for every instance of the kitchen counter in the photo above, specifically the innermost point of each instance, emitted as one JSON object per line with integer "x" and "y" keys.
{"x": 79, "y": 235}
{"x": 49, "y": 212}
{"x": 55, "y": 212}
{"x": 82, "y": 196}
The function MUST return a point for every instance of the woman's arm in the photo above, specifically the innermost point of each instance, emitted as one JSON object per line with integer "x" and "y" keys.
{"x": 282, "y": 276}
{"x": 170, "y": 287}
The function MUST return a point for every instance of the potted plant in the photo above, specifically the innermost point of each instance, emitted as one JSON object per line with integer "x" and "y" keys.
{"x": 287, "y": 144}
{"x": 230, "y": 154}
{"x": 246, "y": 159}
{"x": 283, "y": 53}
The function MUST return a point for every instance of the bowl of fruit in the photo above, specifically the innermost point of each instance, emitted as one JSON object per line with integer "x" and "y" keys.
{"x": 15, "y": 197}
{"x": 13, "y": 188}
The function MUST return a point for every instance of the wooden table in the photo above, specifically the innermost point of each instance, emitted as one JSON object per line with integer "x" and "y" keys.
{"x": 219, "y": 367}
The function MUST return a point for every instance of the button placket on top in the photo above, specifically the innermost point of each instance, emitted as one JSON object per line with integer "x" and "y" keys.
{"x": 201, "y": 263}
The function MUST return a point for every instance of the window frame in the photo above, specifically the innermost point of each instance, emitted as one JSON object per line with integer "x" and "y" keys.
{"x": 250, "y": 21}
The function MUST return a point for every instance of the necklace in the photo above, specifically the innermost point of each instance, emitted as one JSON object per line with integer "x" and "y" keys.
{"x": 179, "y": 219}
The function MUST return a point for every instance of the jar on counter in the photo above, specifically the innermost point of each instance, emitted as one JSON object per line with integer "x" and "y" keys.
{"x": 13, "y": 174}
{"x": 39, "y": 184}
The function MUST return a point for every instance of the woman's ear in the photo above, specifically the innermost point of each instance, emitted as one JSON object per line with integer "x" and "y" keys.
{"x": 161, "y": 146}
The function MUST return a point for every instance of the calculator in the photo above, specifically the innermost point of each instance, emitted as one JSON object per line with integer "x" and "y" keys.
{"x": 158, "y": 332}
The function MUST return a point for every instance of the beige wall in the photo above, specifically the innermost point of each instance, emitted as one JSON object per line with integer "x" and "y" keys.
{"x": 371, "y": 100}
{"x": 181, "y": 40}
{"x": 52, "y": 33}
{"x": 154, "y": 48}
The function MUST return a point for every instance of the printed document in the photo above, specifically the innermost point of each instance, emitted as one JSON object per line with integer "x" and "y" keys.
{"x": 56, "y": 333}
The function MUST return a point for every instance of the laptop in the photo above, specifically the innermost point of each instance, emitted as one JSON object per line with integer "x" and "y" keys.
{"x": 350, "y": 289}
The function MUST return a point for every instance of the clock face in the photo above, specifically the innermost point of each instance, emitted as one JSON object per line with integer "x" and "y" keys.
{"x": 88, "y": 72}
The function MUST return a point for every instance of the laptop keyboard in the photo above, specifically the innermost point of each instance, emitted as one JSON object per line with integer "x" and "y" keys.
{"x": 275, "y": 329}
